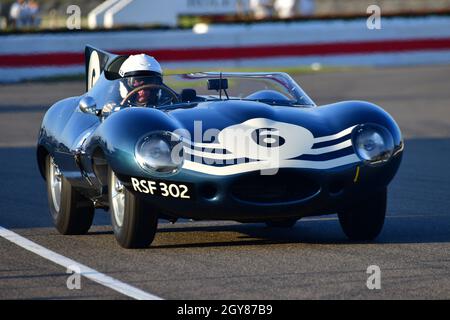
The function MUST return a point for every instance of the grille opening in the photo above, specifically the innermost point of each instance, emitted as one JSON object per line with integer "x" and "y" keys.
{"x": 282, "y": 187}
{"x": 336, "y": 187}
{"x": 208, "y": 191}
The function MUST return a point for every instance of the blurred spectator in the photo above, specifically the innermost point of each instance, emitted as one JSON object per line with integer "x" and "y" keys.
{"x": 290, "y": 8}
{"x": 33, "y": 11}
{"x": 286, "y": 8}
{"x": 262, "y": 9}
{"x": 2, "y": 18}
{"x": 16, "y": 13}
{"x": 24, "y": 14}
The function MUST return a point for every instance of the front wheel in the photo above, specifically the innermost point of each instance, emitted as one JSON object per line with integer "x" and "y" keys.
{"x": 364, "y": 220}
{"x": 72, "y": 213}
{"x": 134, "y": 221}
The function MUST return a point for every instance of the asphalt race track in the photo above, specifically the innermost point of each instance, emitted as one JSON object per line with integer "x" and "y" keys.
{"x": 227, "y": 260}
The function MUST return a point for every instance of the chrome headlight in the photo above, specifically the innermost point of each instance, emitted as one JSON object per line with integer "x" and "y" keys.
{"x": 160, "y": 152}
{"x": 373, "y": 143}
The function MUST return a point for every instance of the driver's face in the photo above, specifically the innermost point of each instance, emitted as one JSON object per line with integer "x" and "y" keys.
{"x": 143, "y": 95}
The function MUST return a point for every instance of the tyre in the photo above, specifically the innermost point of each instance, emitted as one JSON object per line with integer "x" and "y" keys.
{"x": 71, "y": 212}
{"x": 288, "y": 223}
{"x": 364, "y": 220}
{"x": 134, "y": 221}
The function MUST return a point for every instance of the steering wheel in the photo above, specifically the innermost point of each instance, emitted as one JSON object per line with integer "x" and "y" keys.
{"x": 173, "y": 97}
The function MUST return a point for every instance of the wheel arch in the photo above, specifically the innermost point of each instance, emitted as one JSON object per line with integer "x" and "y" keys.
{"x": 100, "y": 165}
{"x": 41, "y": 154}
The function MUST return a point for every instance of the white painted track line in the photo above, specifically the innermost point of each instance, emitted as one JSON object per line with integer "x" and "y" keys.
{"x": 85, "y": 271}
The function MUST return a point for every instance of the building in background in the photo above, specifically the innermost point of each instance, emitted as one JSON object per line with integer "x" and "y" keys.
{"x": 52, "y": 14}
{"x": 116, "y": 13}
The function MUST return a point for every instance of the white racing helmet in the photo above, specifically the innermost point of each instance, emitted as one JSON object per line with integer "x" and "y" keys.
{"x": 140, "y": 65}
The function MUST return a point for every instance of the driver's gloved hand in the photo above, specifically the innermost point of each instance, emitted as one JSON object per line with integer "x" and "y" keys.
{"x": 109, "y": 108}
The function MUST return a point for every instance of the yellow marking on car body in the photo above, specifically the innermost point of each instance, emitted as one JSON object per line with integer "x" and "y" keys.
{"x": 356, "y": 175}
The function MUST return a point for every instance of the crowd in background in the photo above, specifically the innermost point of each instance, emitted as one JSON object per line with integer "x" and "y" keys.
{"x": 23, "y": 14}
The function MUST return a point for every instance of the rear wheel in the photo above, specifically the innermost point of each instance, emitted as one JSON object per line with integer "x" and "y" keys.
{"x": 134, "y": 221}
{"x": 364, "y": 220}
{"x": 72, "y": 213}
{"x": 287, "y": 223}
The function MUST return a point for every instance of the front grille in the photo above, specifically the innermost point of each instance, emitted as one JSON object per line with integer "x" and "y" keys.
{"x": 283, "y": 187}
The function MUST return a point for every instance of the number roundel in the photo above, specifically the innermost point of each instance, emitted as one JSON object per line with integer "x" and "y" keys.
{"x": 268, "y": 137}
{"x": 265, "y": 139}
{"x": 94, "y": 69}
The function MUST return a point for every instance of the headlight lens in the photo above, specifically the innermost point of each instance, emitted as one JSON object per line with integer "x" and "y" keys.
{"x": 160, "y": 152}
{"x": 373, "y": 143}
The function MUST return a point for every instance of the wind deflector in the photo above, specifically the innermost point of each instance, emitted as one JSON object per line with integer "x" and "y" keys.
{"x": 96, "y": 62}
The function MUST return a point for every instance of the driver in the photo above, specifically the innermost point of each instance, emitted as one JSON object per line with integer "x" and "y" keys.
{"x": 137, "y": 71}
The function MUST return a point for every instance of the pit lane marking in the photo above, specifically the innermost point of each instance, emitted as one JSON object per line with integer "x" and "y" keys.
{"x": 85, "y": 271}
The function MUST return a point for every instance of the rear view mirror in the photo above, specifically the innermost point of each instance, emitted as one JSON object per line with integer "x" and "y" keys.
{"x": 88, "y": 105}
{"x": 217, "y": 84}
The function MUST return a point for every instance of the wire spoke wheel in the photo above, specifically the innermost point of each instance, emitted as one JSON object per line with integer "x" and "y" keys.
{"x": 72, "y": 213}
{"x": 118, "y": 200}
{"x": 55, "y": 185}
{"x": 134, "y": 221}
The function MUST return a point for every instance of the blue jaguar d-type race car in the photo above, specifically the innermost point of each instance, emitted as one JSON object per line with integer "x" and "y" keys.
{"x": 248, "y": 147}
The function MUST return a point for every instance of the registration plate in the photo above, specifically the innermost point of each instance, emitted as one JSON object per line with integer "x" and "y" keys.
{"x": 164, "y": 189}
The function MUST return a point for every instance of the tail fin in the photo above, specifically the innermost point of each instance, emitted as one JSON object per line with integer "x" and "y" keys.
{"x": 96, "y": 62}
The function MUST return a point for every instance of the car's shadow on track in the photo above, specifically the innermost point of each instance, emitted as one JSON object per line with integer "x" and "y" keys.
{"x": 419, "y": 199}
{"x": 401, "y": 229}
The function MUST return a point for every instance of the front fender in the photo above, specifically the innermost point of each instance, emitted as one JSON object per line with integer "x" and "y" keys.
{"x": 118, "y": 134}
{"x": 350, "y": 113}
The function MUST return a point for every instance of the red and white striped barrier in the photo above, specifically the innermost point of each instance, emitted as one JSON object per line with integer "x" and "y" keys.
{"x": 401, "y": 41}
